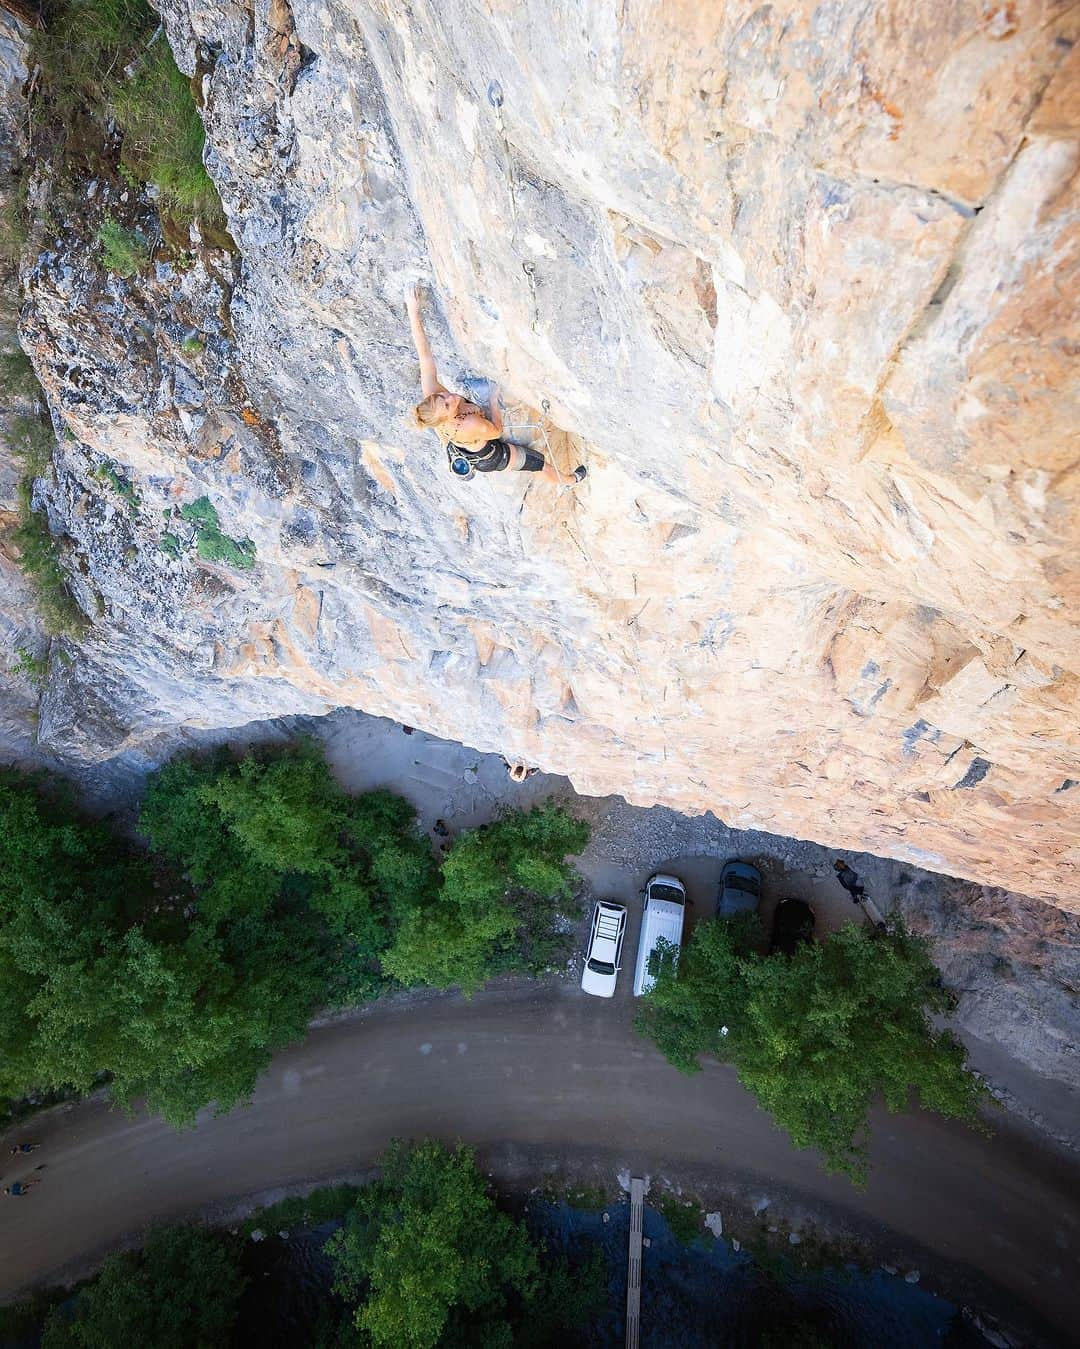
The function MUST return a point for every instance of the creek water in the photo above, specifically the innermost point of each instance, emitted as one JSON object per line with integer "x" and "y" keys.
{"x": 698, "y": 1296}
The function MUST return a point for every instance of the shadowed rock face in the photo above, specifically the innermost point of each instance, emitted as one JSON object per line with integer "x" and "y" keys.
{"x": 795, "y": 282}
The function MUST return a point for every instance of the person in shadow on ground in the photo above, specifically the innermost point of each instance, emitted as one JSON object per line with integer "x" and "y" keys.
{"x": 473, "y": 438}
{"x": 849, "y": 879}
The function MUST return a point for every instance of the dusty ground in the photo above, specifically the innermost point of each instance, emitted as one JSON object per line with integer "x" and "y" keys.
{"x": 544, "y": 1080}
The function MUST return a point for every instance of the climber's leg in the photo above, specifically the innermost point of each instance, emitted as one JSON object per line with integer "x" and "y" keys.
{"x": 565, "y": 479}
{"x": 500, "y": 456}
{"x": 524, "y": 460}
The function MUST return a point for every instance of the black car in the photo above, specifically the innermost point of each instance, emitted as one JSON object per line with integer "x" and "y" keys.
{"x": 740, "y": 889}
{"x": 793, "y": 923}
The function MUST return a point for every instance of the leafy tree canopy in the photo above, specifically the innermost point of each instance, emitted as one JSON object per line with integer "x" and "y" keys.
{"x": 102, "y": 974}
{"x": 268, "y": 893}
{"x": 502, "y": 885}
{"x": 181, "y": 1291}
{"x": 247, "y": 833}
{"x": 819, "y": 1035}
{"x": 424, "y": 1244}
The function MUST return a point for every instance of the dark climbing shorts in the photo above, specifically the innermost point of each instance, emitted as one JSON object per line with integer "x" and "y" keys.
{"x": 496, "y": 456}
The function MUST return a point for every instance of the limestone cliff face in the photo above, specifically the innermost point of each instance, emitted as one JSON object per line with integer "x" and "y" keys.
{"x": 797, "y": 282}
{"x": 20, "y": 631}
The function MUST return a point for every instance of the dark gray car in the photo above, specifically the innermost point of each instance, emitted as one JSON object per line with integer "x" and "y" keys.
{"x": 740, "y": 889}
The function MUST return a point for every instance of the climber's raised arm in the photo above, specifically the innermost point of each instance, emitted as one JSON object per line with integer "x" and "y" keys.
{"x": 473, "y": 442}
{"x": 429, "y": 378}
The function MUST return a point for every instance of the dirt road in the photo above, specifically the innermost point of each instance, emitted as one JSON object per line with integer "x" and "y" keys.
{"x": 533, "y": 1075}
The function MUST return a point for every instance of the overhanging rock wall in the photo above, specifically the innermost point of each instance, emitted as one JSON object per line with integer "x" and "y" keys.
{"x": 798, "y": 281}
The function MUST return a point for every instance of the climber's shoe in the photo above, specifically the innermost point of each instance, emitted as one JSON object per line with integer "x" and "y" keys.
{"x": 580, "y": 473}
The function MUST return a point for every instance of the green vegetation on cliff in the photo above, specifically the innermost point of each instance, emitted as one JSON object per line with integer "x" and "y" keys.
{"x": 163, "y": 136}
{"x": 31, "y": 441}
{"x": 816, "y": 1036}
{"x": 111, "y": 100}
{"x": 123, "y": 251}
{"x": 39, "y": 559}
{"x": 212, "y": 544}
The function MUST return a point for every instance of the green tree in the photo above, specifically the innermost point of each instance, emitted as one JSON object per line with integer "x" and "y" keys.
{"x": 252, "y": 834}
{"x": 817, "y": 1036}
{"x": 566, "y": 1297}
{"x": 181, "y": 1291}
{"x": 425, "y": 1248}
{"x": 692, "y": 1014}
{"x": 183, "y": 825}
{"x": 502, "y": 886}
{"x": 102, "y": 974}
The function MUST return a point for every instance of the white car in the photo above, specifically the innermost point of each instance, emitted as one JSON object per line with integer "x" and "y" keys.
{"x": 661, "y": 916}
{"x": 604, "y": 956}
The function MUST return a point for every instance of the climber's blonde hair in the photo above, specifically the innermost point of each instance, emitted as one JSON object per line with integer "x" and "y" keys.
{"x": 427, "y": 413}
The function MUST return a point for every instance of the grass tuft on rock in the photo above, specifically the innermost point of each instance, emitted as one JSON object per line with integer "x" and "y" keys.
{"x": 106, "y": 66}
{"x": 17, "y": 378}
{"x": 32, "y": 441}
{"x": 123, "y": 251}
{"x": 122, "y": 486}
{"x": 30, "y": 435}
{"x": 40, "y": 562}
{"x": 14, "y": 217}
{"x": 164, "y": 136}
{"x": 81, "y": 51}
{"x": 31, "y": 667}
{"x": 212, "y": 545}
{"x": 170, "y": 546}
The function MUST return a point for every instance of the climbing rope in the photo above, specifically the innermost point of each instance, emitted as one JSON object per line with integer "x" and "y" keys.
{"x": 495, "y": 98}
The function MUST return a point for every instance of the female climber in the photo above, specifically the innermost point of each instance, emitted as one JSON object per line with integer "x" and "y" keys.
{"x": 472, "y": 439}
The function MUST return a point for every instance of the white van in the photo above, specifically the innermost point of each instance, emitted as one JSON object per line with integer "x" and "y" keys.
{"x": 662, "y": 916}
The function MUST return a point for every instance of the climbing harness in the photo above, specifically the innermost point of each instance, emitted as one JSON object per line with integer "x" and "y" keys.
{"x": 463, "y": 466}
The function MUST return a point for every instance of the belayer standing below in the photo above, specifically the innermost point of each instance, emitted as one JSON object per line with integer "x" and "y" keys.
{"x": 471, "y": 436}
{"x": 849, "y": 879}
